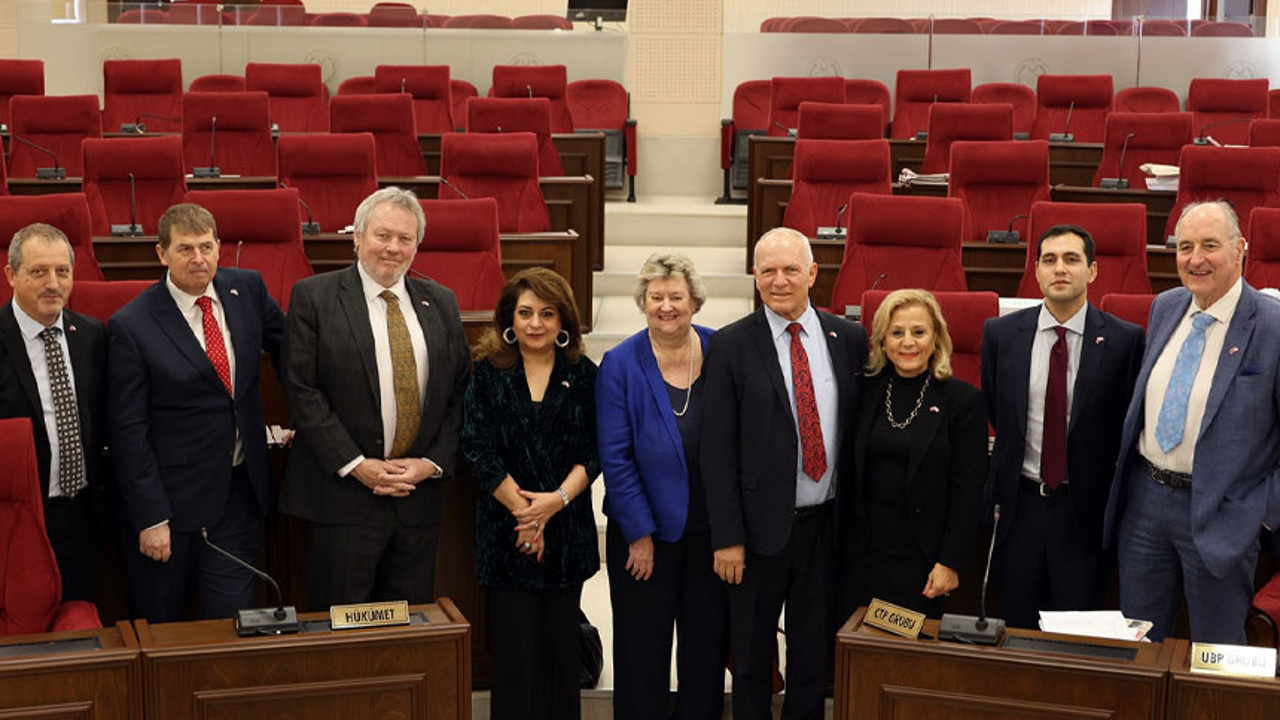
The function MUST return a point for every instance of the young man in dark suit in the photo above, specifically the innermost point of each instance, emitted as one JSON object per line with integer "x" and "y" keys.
{"x": 1057, "y": 379}
{"x": 186, "y": 426}
{"x": 51, "y": 358}
{"x": 781, "y": 385}
{"x": 375, "y": 366}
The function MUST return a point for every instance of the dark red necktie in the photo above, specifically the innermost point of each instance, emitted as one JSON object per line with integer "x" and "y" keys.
{"x": 811, "y": 443}
{"x": 214, "y": 347}
{"x": 1053, "y": 448}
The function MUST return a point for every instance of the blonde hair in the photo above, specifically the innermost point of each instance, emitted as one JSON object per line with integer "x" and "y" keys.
{"x": 668, "y": 266}
{"x": 940, "y": 360}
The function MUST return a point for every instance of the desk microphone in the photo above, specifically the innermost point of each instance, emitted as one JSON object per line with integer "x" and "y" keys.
{"x": 876, "y": 284}
{"x": 280, "y": 620}
{"x": 1065, "y": 135}
{"x": 1205, "y": 139}
{"x": 445, "y": 182}
{"x": 1008, "y": 236}
{"x": 310, "y": 227}
{"x": 791, "y": 133}
{"x": 212, "y": 171}
{"x": 239, "y": 247}
{"x": 138, "y": 128}
{"x": 837, "y": 232}
{"x": 853, "y": 313}
{"x": 1118, "y": 183}
{"x": 133, "y": 229}
{"x": 976, "y": 630}
{"x": 402, "y": 84}
{"x": 56, "y": 172}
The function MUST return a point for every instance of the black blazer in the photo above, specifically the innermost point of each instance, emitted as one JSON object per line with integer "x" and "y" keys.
{"x": 172, "y": 424}
{"x": 749, "y": 443}
{"x": 945, "y": 475}
{"x": 19, "y": 397}
{"x": 331, "y": 385}
{"x": 1110, "y": 358}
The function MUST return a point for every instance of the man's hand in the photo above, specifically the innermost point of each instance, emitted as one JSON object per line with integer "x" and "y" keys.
{"x": 414, "y": 470}
{"x": 640, "y": 558}
{"x": 154, "y": 543}
{"x": 731, "y": 563}
{"x": 942, "y": 580}
{"x": 383, "y": 478}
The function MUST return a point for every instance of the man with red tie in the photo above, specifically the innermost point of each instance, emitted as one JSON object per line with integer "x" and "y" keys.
{"x": 185, "y": 423}
{"x": 779, "y": 382}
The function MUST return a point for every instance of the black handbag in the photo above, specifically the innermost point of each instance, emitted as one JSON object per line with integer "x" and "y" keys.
{"x": 592, "y": 651}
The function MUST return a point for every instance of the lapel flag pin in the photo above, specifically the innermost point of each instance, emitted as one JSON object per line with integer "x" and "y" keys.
{"x": 564, "y": 383}
{"x": 71, "y": 328}
{"x": 426, "y": 304}
{"x": 1233, "y": 351}
{"x": 832, "y": 333}
{"x": 235, "y": 292}
{"x": 1097, "y": 340}
{"x": 934, "y": 408}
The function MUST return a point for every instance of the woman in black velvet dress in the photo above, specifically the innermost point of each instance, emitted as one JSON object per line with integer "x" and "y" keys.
{"x": 530, "y": 438}
{"x": 920, "y": 464}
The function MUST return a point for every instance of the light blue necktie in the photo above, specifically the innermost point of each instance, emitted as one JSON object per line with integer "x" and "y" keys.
{"x": 1173, "y": 413}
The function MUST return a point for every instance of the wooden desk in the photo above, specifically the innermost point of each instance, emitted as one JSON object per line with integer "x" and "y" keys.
{"x": 203, "y": 670}
{"x": 881, "y": 676}
{"x": 1215, "y": 697}
{"x": 32, "y": 186}
{"x": 79, "y": 683}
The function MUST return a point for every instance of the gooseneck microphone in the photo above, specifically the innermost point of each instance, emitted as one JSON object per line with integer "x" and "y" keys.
{"x": 876, "y": 284}
{"x": 310, "y": 227}
{"x": 790, "y": 132}
{"x": 212, "y": 171}
{"x": 1205, "y": 139}
{"x": 133, "y": 229}
{"x": 402, "y": 84}
{"x": 837, "y": 232}
{"x": 979, "y": 630}
{"x": 1119, "y": 183}
{"x": 1008, "y": 235}
{"x": 445, "y": 182}
{"x": 138, "y": 128}
{"x": 529, "y": 89}
{"x": 1065, "y": 135}
{"x": 279, "y": 620}
{"x": 57, "y": 172}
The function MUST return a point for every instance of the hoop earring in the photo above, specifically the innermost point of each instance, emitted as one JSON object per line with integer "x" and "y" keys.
{"x": 509, "y": 339}
{"x": 567, "y": 337}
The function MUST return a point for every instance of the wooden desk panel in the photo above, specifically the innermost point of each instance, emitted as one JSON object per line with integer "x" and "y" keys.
{"x": 1213, "y": 697}
{"x": 104, "y": 683}
{"x": 203, "y": 670}
{"x": 881, "y": 676}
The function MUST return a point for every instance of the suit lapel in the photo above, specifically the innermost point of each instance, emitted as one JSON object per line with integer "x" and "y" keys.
{"x": 658, "y": 388}
{"x": 233, "y": 312}
{"x": 351, "y": 298}
{"x": 433, "y": 332}
{"x": 1233, "y": 345}
{"x": 78, "y": 347}
{"x": 929, "y": 419}
{"x": 11, "y": 336}
{"x": 867, "y": 410}
{"x": 1020, "y": 369}
{"x": 768, "y": 352}
{"x": 171, "y": 322}
{"x": 1158, "y": 334}
{"x": 1093, "y": 346}
{"x": 839, "y": 358}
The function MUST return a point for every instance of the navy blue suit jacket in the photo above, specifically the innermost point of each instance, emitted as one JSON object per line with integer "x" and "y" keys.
{"x": 171, "y": 423}
{"x": 646, "y": 475}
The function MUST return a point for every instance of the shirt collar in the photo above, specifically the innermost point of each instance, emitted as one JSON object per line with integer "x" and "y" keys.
{"x": 185, "y": 300}
{"x": 1222, "y": 310}
{"x": 30, "y": 327}
{"x": 1074, "y": 324}
{"x": 372, "y": 288}
{"x": 778, "y": 325}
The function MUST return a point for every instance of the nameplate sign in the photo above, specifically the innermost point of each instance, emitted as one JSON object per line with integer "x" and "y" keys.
{"x": 894, "y": 619}
{"x": 1233, "y": 660}
{"x": 363, "y": 615}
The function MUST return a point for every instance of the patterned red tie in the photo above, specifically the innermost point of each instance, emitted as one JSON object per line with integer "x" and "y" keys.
{"x": 214, "y": 347}
{"x": 1053, "y": 447}
{"x": 811, "y": 443}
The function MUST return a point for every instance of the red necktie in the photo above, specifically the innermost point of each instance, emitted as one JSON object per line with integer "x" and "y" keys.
{"x": 214, "y": 347}
{"x": 811, "y": 443}
{"x": 1053, "y": 448}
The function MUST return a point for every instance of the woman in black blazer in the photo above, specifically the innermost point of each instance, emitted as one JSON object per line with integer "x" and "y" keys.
{"x": 920, "y": 461}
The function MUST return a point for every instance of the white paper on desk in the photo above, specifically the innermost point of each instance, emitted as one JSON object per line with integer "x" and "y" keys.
{"x": 1093, "y": 623}
{"x": 908, "y": 177}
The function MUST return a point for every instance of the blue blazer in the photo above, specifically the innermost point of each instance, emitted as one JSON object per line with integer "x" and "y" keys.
{"x": 646, "y": 475}
{"x": 1236, "y": 473}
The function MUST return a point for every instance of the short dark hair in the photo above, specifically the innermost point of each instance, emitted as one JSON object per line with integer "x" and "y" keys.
{"x": 186, "y": 218}
{"x": 1057, "y": 230}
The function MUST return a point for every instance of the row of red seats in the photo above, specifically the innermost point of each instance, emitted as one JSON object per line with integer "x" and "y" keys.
{"x": 281, "y": 13}
{"x": 994, "y": 26}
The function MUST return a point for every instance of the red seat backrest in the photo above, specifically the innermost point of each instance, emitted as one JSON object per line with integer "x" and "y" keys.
{"x": 1246, "y": 177}
{"x": 390, "y": 119}
{"x": 1088, "y": 99}
{"x": 949, "y": 122}
{"x": 541, "y": 22}
{"x": 460, "y": 249}
{"x": 19, "y": 77}
{"x": 461, "y": 91}
{"x": 860, "y": 91}
{"x": 998, "y": 181}
{"x": 916, "y": 90}
{"x": 1223, "y": 108}
{"x": 30, "y": 586}
{"x": 217, "y": 83}
{"x": 501, "y": 166}
{"x": 295, "y": 92}
{"x": 332, "y": 173}
{"x": 828, "y": 173}
{"x": 1264, "y": 133}
{"x": 598, "y": 104}
{"x": 1147, "y": 100}
{"x": 142, "y": 91}
{"x": 533, "y": 115}
{"x": 1130, "y": 308}
{"x": 242, "y": 142}
{"x": 1152, "y": 138}
{"x": 56, "y": 122}
{"x": 546, "y": 81}
{"x": 429, "y": 87}
{"x": 158, "y": 180}
{"x": 69, "y": 212}
{"x": 100, "y": 299}
{"x": 1018, "y": 96}
{"x": 786, "y": 94}
{"x": 1119, "y": 233}
{"x": 1262, "y": 262}
{"x": 840, "y": 121}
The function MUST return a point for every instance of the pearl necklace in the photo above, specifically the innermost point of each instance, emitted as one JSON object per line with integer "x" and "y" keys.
{"x": 688, "y": 393}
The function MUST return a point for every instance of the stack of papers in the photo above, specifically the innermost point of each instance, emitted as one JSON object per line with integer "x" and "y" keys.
{"x": 1094, "y": 623}
{"x": 907, "y": 177}
{"x": 1161, "y": 177}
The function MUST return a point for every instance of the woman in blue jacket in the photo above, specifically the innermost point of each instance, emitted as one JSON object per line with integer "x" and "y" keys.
{"x": 658, "y": 548}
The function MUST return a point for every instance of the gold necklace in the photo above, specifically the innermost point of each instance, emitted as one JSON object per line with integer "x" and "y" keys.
{"x": 688, "y": 393}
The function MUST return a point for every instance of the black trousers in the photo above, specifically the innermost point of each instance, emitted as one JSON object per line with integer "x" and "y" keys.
{"x": 379, "y": 558}
{"x": 535, "y": 637}
{"x": 802, "y": 577}
{"x": 683, "y": 592}
{"x": 1047, "y": 561}
{"x": 158, "y": 590}
{"x": 73, "y": 527}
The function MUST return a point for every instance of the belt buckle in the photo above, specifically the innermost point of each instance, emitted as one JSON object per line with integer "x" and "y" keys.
{"x": 1045, "y": 491}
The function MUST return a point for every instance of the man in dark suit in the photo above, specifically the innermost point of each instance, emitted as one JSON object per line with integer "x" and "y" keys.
{"x": 375, "y": 366}
{"x": 781, "y": 385}
{"x": 1198, "y": 477}
{"x": 1057, "y": 379}
{"x": 51, "y": 358}
{"x": 185, "y": 423}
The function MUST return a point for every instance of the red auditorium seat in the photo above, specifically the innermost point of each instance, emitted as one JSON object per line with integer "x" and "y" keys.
{"x": 19, "y": 77}
{"x": 1264, "y": 133}
{"x": 949, "y": 122}
{"x": 1119, "y": 233}
{"x": 955, "y": 26}
{"x": 1087, "y": 97}
{"x": 1017, "y": 27}
{"x": 917, "y": 90}
{"x": 331, "y": 172}
{"x": 900, "y": 241}
{"x": 358, "y": 85}
{"x": 460, "y": 249}
{"x": 394, "y": 14}
{"x": 339, "y": 19}
{"x": 814, "y": 25}
{"x": 1147, "y": 100}
{"x": 56, "y": 122}
{"x": 541, "y": 22}
{"x": 479, "y": 22}
{"x": 773, "y": 24}
{"x": 965, "y": 313}
{"x": 146, "y": 92}
{"x": 1018, "y": 96}
{"x": 100, "y": 299}
{"x": 605, "y": 106}
{"x": 158, "y": 181}
{"x": 786, "y": 94}
{"x": 30, "y": 585}
{"x": 194, "y": 12}
{"x": 1246, "y": 177}
{"x": 1273, "y": 103}
{"x": 545, "y": 81}
{"x": 860, "y": 91}
{"x": 259, "y": 230}
{"x": 1155, "y": 138}
{"x": 432, "y": 20}
{"x": 1222, "y": 29}
{"x": 390, "y": 119}
{"x": 532, "y": 115}
{"x": 1262, "y": 262}
{"x": 840, "y": 121}
{"x": 461, "y": 91}
{"x": 69, "y": 212}
{"x": 1223, "y": 108}
{"x": 428, "y": 85}
{"x": 217, "y": 83}
{"x": 4, "y": 179}
{"x": 1130, "y": 308}
{"x": 1164, "y": 28}
{"x": 242, "y": 141}
{"x": 884, "y": 26}
{"x": 501, "y": 166}
{"x": 280, "y": 13}
{"x": 827, "y": 173}
{"x": 143, "y": 16}
{"x": 295, "y": 94}
{"x": 998, "y": 181}
{"x": 750, "y": 117}
{"x": 1117, "y": 28}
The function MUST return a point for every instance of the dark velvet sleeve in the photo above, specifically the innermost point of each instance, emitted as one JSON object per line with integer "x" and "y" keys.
{"x": 480, "y": 429}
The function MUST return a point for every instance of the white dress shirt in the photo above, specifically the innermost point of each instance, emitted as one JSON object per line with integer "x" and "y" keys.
{"x": 31, "y": 329}
{"x": 1182, "y": 457}
{"x": 1041, "y": 349}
